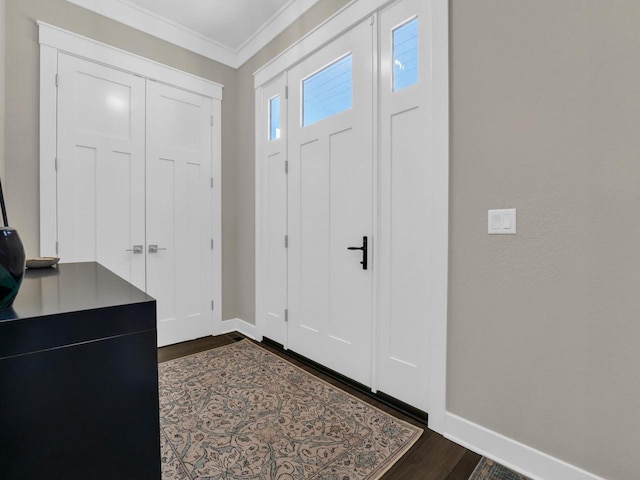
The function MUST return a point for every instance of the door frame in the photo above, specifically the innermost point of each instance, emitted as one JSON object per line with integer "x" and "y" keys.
{"x": 53, "y": 40}
{"x": 332, "y": 28}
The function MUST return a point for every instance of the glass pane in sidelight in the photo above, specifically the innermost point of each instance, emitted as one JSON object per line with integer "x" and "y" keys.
{"x": 274, "y": 118}
{"x": 405, "y": 55}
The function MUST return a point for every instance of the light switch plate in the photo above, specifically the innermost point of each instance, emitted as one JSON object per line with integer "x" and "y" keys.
{"x": 502, "y": 222}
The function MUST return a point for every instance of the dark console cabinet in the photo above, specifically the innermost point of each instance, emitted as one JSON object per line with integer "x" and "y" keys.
{"x": 79, "y": 378}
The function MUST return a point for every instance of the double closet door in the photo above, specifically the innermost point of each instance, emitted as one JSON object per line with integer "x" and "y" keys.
{"x": 353, "y": 276}
{"x": 134, "y": 188}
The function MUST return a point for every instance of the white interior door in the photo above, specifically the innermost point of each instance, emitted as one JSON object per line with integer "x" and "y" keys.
{"x": 406, "y": 225}
{"x": 101, "y": 167}
{"x": 330, "y": 204}
{"x": 179, "y": 212}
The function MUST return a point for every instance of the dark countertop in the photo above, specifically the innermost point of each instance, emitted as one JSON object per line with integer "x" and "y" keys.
{"x": 68, "y": 304}
{"x": 70, "y": 287}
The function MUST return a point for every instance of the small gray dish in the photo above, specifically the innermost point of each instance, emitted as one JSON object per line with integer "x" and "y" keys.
{"x": 42, "y": 262}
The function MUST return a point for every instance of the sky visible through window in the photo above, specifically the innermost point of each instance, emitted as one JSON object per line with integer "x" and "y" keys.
{"x": 274, "y": 118}
{"x": 327, "y": 92}
{"x": 405, "y": 55}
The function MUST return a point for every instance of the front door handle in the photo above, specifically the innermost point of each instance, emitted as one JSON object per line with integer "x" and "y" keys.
{"x": 364, "y": 252}
{"x": 154, "y": 248}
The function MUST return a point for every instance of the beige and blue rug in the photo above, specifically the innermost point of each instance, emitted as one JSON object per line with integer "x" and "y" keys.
{"x": 241, "y": 412}
{"x": 490, "y": 470}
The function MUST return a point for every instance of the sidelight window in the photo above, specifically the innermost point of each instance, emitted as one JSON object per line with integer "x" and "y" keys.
{"x": 405, "y": 55}
{"x": 274, "y": 118}
{"x": 328, "y": 91}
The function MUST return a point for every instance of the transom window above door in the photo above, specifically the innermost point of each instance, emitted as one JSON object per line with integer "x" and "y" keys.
{"x": 328, "y": 91}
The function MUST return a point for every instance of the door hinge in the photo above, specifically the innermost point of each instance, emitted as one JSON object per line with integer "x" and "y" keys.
{"x": 212, "y": 120}
{"x": 211, "y": 182}
{"x": 212, "y": 304}
{"x": 57, "y": 80}
{"x": 56, "y": 247}
{"x": 286, "y": 92}
{"x": 373, "y": 20}
{"x": 56, "y": 164}
{"x": 286, "y": 166}
{"x": 286, "y": 314}
{"x": 286, "y": 241}
{"x": 212, "y": 244}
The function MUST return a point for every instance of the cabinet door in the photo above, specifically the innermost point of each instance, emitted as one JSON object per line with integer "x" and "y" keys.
{"x": 101, "y": 167}
{"x": 179, "y": 212}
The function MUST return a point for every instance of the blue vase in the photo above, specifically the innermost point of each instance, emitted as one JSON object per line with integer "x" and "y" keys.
{"x": 12, "y": 262}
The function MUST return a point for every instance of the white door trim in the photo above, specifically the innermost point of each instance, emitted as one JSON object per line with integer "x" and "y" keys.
{"x": 48, "y": 150}
{"x": 53, "y": 40}
{"x": 95, "y": 51}
{"x": 440, "y": 199}
{"x": 333, "y": 27}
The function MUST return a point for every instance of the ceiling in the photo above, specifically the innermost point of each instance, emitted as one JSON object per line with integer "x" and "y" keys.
{"x": 228, "y": 31}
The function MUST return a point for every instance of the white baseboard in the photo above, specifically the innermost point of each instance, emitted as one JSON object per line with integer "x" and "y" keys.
{"x": 241, "y": 326}
{"x": 517, "y": 456}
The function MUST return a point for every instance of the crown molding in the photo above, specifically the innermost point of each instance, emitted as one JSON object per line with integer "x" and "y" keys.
{"x": 160, "y": 27}
{"x": 273, "y": 27}
{"x": 134, "y": 16}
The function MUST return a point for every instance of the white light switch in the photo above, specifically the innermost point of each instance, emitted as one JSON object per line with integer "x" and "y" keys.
{"x": 502, "y": 222}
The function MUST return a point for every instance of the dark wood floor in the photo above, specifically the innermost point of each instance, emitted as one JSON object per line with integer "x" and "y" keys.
{"x": 433, "y": 457}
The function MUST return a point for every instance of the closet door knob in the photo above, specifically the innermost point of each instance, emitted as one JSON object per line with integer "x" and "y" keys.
{"x": 136, "y": 249}
{"x": 154, "y": 248}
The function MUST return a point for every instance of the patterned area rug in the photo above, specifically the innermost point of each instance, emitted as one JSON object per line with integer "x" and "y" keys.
{"x": 241, "y": 412}
{"x": 490, "y": 470}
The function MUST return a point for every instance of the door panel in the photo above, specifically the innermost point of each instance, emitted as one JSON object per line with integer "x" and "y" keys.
{"x": 101, "y": 167}
{"x": 405, "y": 206}
{"x": 179, "y": 212}
{"x": 331, "y": 209}
{"x": 273, "y": 202}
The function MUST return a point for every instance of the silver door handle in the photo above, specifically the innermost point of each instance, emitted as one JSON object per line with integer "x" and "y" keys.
{"x": 154, "y": 248}
{"x": 136, "y": 249}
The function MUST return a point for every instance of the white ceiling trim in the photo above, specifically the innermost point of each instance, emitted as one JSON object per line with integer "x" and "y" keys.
{"x": 149, "y": 22}
{"x": 160, "y": 27}
{"x": 284, "y": 17}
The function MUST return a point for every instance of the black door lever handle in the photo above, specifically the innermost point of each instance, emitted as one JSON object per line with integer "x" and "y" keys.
{"x": 364, "y": 252}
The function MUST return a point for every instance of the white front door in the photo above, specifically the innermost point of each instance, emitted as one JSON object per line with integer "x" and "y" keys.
{"x": 101, "y": 167}
{"x": 179, "y": 212}
{"x": 331, "y": 204}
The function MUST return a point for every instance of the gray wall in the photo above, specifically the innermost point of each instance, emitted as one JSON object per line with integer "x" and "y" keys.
{"x": 245, "y": 148}
{"x": 22, "y": 100}
{"x": 543, "y": 326}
